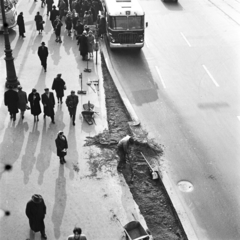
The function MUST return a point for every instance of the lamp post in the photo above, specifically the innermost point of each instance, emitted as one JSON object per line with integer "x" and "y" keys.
{"x": 12, "y": 80}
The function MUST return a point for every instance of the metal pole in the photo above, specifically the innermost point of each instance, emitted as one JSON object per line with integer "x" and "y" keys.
{"x": 12, "y": 79}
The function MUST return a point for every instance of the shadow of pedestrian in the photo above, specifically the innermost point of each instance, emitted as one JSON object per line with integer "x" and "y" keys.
{"x": 72, "y": 157}
{"x": 34, "y": 4}
{"x": 60, "y": 202}
{"x": 36, "y": 44}
{"x": 67, "y": 43}
{"x": 56, "y": 54}
{"x": 44, "y": 157}
{"x": 59, "y": 118}
{"x": 17, "y": 47}
{"x": 40, "y": 85}
{"x": 48, "y": 26}
{"x": 28, "y": 159}
{"x": 12, "y": 143}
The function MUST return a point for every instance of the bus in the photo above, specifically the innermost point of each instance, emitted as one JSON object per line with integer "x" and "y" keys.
{"x": 10, "y": 13}
{"x": 125, "y": 23}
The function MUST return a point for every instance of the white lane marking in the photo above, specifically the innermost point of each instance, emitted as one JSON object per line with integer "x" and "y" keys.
{"x": 188, "y": 43}
{"x": 106, "y": 60}
{"x": 146, "y": 43}
{"x": 210, "y": 75}
{"x": 160, "y": 76}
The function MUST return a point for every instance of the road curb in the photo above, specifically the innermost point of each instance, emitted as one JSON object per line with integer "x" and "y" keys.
{"x": 173, "y": 196}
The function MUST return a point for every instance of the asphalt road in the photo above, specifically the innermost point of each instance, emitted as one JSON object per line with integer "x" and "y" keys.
{"x": 184, "y": 87}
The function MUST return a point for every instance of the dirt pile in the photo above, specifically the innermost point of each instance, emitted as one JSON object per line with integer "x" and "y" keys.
{"x": 150, "y": 195}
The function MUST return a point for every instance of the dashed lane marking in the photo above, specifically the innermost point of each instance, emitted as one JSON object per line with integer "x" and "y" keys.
{"x": 160, "y": 76}
{"x": 188, "y": 43}
{"x": 210, "y": 75}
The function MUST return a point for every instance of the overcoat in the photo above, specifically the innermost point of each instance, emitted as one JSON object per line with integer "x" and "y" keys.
{"x": 11, "y": 100}
{"x": 58, "y": 86}
{"x": 36, "y": 213}
{"x": 58, "y": 25}
{"x": 20, "y": 23}
{"x": 54, "y": 13}
{"x": 102, "y": 26}
{"x": 49, "y": 4}
{"x": 83, "y": 45}
{"x": 43, "y": 53}
{"x": 68, "y": 22}
{"x": 39, "y": 22}
{"x": 34, "y": 100}
{"x": 72, "y": 102}
{"x": 61, "y": 144}
{"x": 22, "y": 100}
{"x": 90, "y": 39}
{"x": 49, "y": 102}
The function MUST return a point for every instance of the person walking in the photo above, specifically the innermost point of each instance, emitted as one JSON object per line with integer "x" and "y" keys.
{"x": 72, "y": 102}
{"x": 123, "y": 150}
{"x": 59, "y": 87}
{"x": 79, "y": 30}
{"x": 43, "y": 3}
{"x": 54, "y": 13}
{"x": 48, "y": 102}
{"x": 49, "y": 6}
{"x": 11, "y": 101}
{"x": 22, "y": 101}
{"x": 39, "y": 22}
{"x": 43, "y": 54}
{"x": 62, "y": 8}
{"x": 77, "y": 234}
{"x": 62, "y": 146}
{"x": 90, "y": 40}
{"x": 36, "y": 211}
{"x": 68, "y": 22}
{"x": 34, "y": 99}
{"x": 57, "y": 26}
{"x": 83, "y": 45}
{"x": 21, "y": 25}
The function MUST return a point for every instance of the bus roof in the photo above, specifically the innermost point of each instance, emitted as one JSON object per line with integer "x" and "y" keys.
{"x": 120, "y": 7}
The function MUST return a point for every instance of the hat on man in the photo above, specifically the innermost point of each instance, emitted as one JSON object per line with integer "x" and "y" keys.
{"x": 59, "y": 75}
{"x": 43, "y": 43}
{"x": 72, "y": 91}
{"x": 37, "y": 198}
{"x": 46, "y": 89}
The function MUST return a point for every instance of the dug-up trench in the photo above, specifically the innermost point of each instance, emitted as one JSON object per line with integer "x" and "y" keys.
{"x": 150, "y": 195}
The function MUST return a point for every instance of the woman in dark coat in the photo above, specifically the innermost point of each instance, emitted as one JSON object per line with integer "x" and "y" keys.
{"x": 68, "y": 22}
{"x": 36, "y": 211}
{"x": 83, "y": 48}
{"x": 59, "y": 86}
{"x": 62, "y": 146}
{"x": 21, "y": 25}
{"x": 39, "y": 22}
{"x": 34, "y": 99}
{"x": 102, "y": 27}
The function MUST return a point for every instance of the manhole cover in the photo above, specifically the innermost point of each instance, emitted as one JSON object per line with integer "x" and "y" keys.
{"x": 185, "y": 186}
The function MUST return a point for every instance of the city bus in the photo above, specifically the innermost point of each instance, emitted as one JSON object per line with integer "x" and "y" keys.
{"x": 10, "y": 13}
{"x": 125, "y": 23}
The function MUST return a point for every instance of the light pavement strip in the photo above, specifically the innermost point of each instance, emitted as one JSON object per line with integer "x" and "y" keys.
{"x": 188, "y": 43}
{"x": 160, "y": 76}
{"x": 171, "y": 190}
{"x": 210, "y": 75}
{"x": 238, "y": 118}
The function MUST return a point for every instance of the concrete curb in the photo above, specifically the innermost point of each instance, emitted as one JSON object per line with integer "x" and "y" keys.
{"x": 176, "y": 202}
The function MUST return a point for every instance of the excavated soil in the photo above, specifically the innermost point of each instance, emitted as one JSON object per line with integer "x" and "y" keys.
{"x": 150, "y": 195}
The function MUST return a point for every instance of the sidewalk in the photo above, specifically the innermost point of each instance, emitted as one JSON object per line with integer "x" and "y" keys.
{"x": 76, "y": 193}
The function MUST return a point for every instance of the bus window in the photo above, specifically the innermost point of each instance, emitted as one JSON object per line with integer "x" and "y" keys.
{"x": 118, "y": 23}
{"x": 135, "y": 22}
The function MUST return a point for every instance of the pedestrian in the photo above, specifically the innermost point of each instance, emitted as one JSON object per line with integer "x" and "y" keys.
{"x": 11, "y": 101}
{"x": 77, "y": 234}
{"x": 39, "y": 22}
{"x": 74, "y": 21}
{"x": 57, "y": 26}
{"x": 72, "y": 102}
{"x": 48, "y": 102}
{"x": 68, "y": 22}
{"x": 62, "y": 8}
{"x": 54, "y": 13}
{"x": 83, "y": 48}
{"x": 36, "y": 211}
{"x": 43, "y": 54}
{"x": 22, "y": 101}
{"x": 62, "y": 146}
{"x": 49, "y": 6}
{"x": 21, "y": 25}
{"x": 79, "y": 30}
{"x": 43, "y": 3}
{"x": 102, "y": 27}
{"x": 34, "y": 99}
{"x": 90, "y": 39}
{"x": 59, "y": 87}
{"x": 123, "y": 150}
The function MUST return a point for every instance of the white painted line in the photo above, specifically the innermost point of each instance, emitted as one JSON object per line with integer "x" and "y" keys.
{"x": 188, "y": 43}
{"x": 106, "y": 61}
{"x": 210, "y": 75}
{"x": 146, "y": 43}
{"x": 160, "y": 76}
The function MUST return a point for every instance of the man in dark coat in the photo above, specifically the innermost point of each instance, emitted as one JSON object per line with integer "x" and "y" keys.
{"x": 21, "y": 25}
{"x": 36, "y": 211}
{"x": 53, "y": 15}
{"x": 49, "y": 6}
{"x": 11, "y": 101}
{"x": 83, "y": 48}
{"x": 34, "y": 99}
{"x": 48, "y": 102}
{"x": 59, "y": 86}
{"x": 62, "y": 146}
{"x": 39, "y": 22}
{"x": 72, "y": 102}
{"x": 43, "y": 54}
